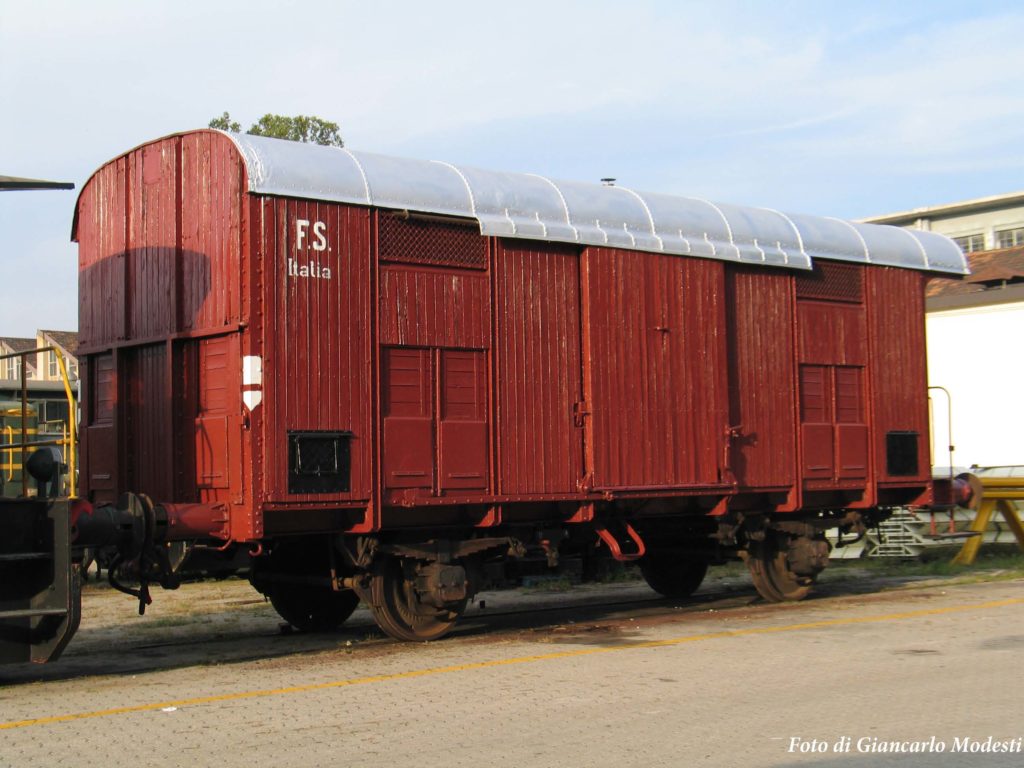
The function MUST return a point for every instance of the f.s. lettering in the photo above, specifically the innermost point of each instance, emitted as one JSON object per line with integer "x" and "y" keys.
{"x": 309, "y": 236}
{"x": 319, "y": 239}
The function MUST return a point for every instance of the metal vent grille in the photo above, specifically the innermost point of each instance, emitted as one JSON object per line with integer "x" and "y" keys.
{"x": 832, "y": 282}
{"x": 437, "y": 243}
{"x": 901, "y": 454}
{"x": 318, "y": 462}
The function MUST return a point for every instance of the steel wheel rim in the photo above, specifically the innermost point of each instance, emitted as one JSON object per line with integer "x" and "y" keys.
{"x": 395, "y": 607}
{"x": 772, "y": 578}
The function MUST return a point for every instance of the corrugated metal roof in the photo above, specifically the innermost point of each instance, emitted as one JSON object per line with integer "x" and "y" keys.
{"x": 538, "y": 208}
{"x": 534, "y": 207}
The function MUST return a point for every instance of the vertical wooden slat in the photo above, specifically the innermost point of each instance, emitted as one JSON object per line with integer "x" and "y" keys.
{"x": 655, "y": 369}
{"x": 761, "y": 377}
{"x": 160, "y": 253}
{"x": 316, "y": 369}
{"x": 537, "y": 367}
{"x": 898, "y": 376}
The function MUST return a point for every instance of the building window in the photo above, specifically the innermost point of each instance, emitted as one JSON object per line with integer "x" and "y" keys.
{"x": 971, "y": 243}
{"x": 53, "y": 411}
{"x": 1008, "y": 238}
{"x": 53, "y": 370}
{"x": 10, "y": 368}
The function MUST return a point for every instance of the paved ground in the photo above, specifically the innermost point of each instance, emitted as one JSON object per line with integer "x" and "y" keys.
{"x": 619, "y": 680}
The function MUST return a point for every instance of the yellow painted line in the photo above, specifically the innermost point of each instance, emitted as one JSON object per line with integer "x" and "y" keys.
{"x": 242, "y": 695}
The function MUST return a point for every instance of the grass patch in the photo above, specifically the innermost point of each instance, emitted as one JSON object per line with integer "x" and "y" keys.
{"x": 163, "y": 622}
{"x": 547, "y": 584}
{"x": 1008, "y": 563}
{"x": 617, "y": 572}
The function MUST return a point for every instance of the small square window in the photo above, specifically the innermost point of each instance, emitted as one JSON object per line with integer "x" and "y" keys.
{"x": 970, "y": 243}
{"x": 1009, "y": 238}
{"x": 11, "y": 368}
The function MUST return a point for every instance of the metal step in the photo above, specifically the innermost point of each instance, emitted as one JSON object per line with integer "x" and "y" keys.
{"x": 25, "y": 556}
{"x": 30, "y": 612}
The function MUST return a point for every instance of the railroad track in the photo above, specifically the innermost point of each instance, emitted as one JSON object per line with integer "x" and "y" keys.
{"x": 110, "y": 650}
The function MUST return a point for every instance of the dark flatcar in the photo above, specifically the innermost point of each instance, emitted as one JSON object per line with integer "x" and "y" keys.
{"x": 398, "y": 381}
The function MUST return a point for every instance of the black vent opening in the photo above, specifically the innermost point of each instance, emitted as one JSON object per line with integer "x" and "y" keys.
{"x": 319, "y": 462}
{"x": 901, "y": 454}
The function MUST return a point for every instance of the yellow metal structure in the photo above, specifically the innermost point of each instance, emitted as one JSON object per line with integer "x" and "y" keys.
{"x": 11, "y": 457}
{"x": 1000, "y": 494}
{"x": 68, "y": 441}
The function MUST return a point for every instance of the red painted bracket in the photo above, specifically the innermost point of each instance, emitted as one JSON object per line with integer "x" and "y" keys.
{"x": 613, "y": 543}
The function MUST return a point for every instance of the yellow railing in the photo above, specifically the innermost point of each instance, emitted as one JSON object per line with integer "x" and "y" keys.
{"x": 10, "y": 456}
{"x": 998, "y": 494}
{"x": 69, "y": 441}
{"x": 8, "y": 463}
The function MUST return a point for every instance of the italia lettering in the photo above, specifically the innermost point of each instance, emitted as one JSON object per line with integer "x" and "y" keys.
{"x": 311, "y": 269}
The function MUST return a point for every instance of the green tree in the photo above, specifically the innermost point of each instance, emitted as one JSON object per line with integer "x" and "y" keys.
{"x": 225, "y": 123}
{"x": 306, "y": 128}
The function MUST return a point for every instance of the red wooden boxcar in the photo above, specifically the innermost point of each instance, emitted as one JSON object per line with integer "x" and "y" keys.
{"x": 390, "y": 378}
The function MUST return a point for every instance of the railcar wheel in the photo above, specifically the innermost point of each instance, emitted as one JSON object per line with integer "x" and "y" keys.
{"x": 397, "y": 607}
{"x": 312, "y": 608}
{"x": 783, "y": 568}
{"x": 671, "y": 577}
{"x": 295, "y": 578}
{"x": 773, "y": 579}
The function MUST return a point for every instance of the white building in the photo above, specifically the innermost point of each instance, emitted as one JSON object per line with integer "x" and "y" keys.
{"x": 43, "y": 381}
{"x": 975, "y": 341}
{"x": 40, "y": 366}
{"x": 982, "y": 224}
{"x": 975, "y": 332}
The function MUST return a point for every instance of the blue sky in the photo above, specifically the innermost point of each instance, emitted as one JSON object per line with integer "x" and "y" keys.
{"x": 836, "y": 108}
